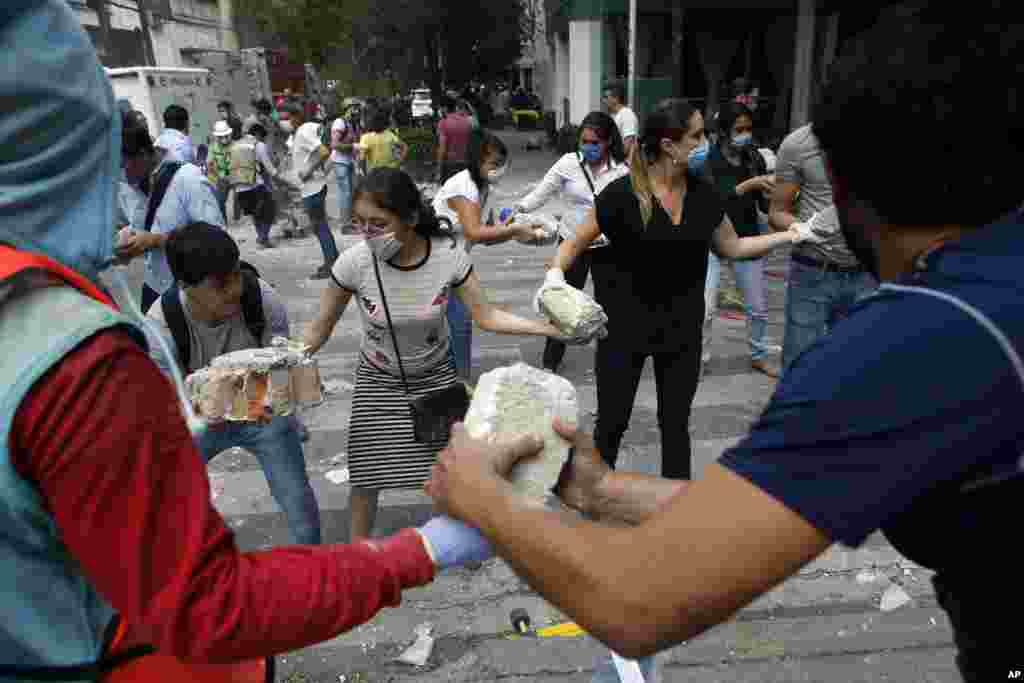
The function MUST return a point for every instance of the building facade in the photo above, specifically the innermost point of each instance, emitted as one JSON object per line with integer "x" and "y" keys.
{"x": 165, "y": 33}
{"x": 695, "y": 49}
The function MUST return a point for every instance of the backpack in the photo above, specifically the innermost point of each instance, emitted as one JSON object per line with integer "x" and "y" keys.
{"x": 244, "y": 165}
{"x": 163, "y": 181}
{"x": 252, "y": 312}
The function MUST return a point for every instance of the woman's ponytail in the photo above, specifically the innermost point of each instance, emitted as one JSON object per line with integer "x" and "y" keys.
{"x": 639, "y": 174}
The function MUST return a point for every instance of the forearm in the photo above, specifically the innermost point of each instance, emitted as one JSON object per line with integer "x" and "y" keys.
{"x": 755, "y": 247}
{"x": 491, "y": 234}
{"x": 503, "y": 322}
{"x": 568, "y": 251}
{"x": 317, "y": 334}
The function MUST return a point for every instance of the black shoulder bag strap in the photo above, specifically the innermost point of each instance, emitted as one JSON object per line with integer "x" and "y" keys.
{"x": 163, "y": 181}
{"x": 391, "y": 327}
{"x": 174, "y": 316}
{"x": 252, "y": 303}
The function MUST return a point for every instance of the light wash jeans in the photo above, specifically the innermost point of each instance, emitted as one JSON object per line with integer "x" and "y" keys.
{"x": 606, "y": 672}
{"x": 343, "y": 174}
{"x": 816, "y": 299}
{"x": 460, "y": 331}
{"x": 750, "y": 278}
{"x": 276, "y": 445}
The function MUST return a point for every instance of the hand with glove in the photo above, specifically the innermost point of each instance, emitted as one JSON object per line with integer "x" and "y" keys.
{"x": 552, "y": 280}
{"x": 450, "y": 543}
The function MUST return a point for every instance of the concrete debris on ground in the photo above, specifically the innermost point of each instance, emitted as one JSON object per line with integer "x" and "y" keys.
{"x": 419, "y": 652}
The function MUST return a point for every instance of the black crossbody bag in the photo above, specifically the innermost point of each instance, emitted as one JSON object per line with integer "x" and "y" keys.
{"x": 433, "y": 414}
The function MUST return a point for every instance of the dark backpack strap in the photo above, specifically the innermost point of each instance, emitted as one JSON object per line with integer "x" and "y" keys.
{"x": 174, "y": 316}
{"x": 252, "y": 303}
{"x": 156, "y": 197}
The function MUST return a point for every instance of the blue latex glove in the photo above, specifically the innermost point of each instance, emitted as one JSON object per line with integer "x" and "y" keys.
{"x": 452, "y": 543}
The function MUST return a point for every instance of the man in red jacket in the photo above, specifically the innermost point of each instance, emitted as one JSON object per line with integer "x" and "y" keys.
{"x": 104, "y": 499}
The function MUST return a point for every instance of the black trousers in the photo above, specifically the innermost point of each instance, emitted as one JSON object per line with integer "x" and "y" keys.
{"x": 618, "y": 376}
{"x": 576, "y": 277}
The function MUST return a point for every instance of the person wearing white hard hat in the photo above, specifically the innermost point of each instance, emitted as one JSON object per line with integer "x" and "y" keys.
{"x": 218, "y": 163}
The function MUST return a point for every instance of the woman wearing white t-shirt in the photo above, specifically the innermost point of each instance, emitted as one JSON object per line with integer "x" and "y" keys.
{"x": 420, "y": 271}
{"x": 460, "y": 204}
{"x": 579, "y": 177}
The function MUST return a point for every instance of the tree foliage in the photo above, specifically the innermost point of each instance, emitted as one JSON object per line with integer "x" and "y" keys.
{"x": 441, "y": 42}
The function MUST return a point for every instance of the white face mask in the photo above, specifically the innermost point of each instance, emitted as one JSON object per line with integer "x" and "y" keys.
{"x": 495, "y": 176}
{"x": 384, "y": 246}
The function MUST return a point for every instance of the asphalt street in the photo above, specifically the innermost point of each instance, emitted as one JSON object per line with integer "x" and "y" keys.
{"x": 828, "y": 623}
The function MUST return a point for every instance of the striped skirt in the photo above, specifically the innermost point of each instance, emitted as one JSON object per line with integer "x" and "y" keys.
{"x": 382, "y": 450}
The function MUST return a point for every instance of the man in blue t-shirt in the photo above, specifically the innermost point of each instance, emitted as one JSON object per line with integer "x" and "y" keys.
{"x": 906, "y": 418}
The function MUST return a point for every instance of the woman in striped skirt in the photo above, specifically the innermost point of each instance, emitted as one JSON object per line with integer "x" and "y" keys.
{"x": 420, "y": 268}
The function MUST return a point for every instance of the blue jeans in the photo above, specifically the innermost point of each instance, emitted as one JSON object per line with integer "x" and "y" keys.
{"x": 750, "y": 278}
{"x": 816, "y": 299}
{"x": 460, "y": 331}
{"x": 276, "y": 445}
{"x": 607, "y": 673}
{"x": 343, "y": 171}
{"x": 317, "y": 212}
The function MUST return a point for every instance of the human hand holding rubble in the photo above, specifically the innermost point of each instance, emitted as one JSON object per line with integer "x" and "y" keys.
{"x": 574, "y": 313}
{"x": 810, "y": 230}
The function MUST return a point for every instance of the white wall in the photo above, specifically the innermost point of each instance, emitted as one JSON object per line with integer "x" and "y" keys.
{"x": 585, "y": 45}
{"x": 196, "y": 23}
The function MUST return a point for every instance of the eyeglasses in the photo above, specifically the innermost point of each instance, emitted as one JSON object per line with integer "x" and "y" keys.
{"x": 370, "y": 229}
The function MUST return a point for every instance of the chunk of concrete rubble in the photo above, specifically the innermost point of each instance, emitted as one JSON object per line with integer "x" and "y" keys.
{"x": 520, "y": 399}
{"x": 572, "y": 311}
{"x": 419, "y": 652}
{"x": 894, "y": 598}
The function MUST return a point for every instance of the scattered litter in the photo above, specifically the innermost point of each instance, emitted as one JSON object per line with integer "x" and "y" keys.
{"x": 419, "y": 652}
{"x": 867, "y": 576}
{"x": 338, "y": 476}
{"x": 841, "y": 634}
{"x": 934, "y": 623}
{"x": 566, "y": 630}
{"x": 338, "y": 459}
{"x": 907, "y": 572}
{"x": 894, "y": 598}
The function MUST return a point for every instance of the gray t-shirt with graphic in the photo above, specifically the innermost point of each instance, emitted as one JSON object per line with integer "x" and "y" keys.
{"x": 417, "y": 297}
{"x": 800, "y": 161}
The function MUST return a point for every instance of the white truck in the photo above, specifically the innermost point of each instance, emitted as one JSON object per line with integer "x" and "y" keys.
{"x": 152, "y": 89}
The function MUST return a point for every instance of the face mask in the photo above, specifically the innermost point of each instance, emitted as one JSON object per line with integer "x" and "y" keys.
{"x": 743, "y": 139}
{"x": 591, "y": 151}
{"x": 384, "y": 246}
{"x": 697, "y": 157}
{"x": 496, "y": 175}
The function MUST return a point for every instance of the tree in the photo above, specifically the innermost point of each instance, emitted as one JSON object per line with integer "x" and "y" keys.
{"x": 407, "y": 40}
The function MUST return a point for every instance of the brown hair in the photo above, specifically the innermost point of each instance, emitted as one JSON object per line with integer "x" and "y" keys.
{"x": 670, "y": 120}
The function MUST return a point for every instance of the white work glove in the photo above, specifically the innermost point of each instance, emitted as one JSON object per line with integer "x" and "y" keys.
{"x": 583, "y": 340}
{"x": 450, "y": 543}
{"x": 553, "y": 279}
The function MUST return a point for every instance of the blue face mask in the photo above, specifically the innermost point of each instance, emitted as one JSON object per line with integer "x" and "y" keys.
{"x": 697, "y": 157}
{"x": 591, "y": 151}
{"x": 741, "y": 140}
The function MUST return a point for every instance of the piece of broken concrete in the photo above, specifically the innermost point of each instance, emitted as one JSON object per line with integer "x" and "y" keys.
{"x": 894, "y": 598}
{"x": 572, "y": 311}
{"x": 419, "y": 652}
{"x": 517, "y": 400}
